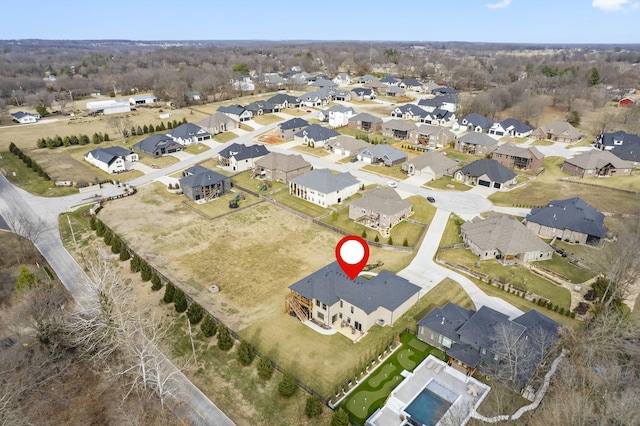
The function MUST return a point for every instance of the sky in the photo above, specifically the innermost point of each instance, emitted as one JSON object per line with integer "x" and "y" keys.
{"x": 514, "y": 21}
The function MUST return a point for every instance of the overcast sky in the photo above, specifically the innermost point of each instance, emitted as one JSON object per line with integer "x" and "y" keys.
{"x": 520, "y": 21}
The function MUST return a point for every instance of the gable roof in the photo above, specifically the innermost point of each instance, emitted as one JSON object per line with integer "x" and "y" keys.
{"x": 365, "y": 117}
{"x": 102, "y": 155}
{"x": 317, "y": 132}
{"x": 281, "y": 98}
{"x": 446, "y": 320}
{"x": 154, "y": 142}
{"x": 390, "y": 79}
{"x": 437, "y": 161}
{"x": 201, "y": 176}
{"x": 484, "y": 326}
{"x": 20, "y": 114}
{"x": 216, "y": 119}
{"x": 330, "y": 285}
{"x": 411, "y": 82}
{"x": 383, "y": 151}
{"x": 397, "y": 124}
{"x": 365, "y": 78}
{"x": 478, "y": 120}
{"x": 444, "y": 90}
{"x": 362, "y": 91}
{"x": 475, "y": 138}
{"x": 323, "y": 181}
{"x": 562, "y": 129}
{"x": 282, "y": 162}
{"x": 494, "y": 170}
{"x": 519, "y": 151}
{"x": 187, "y": 130}
{"x": 382, "y": 200}
{"x": 294, "y": 123}
{"x": 413, "y": 109}
{"x": 242, "y": 151}
{"x": 232, "y": 109}
{"x": 596, "y": 159}
{"x": 618, "y": 138}
{"x": 534, "y": 319}
{"x": 517, "y": 125}
{"x": 628, "y": 152}
{"x": 573, "y": 214}
{"x": 338, "y": 108}
{"x": 260, "y": 105}
{"x": 348, "y": 143}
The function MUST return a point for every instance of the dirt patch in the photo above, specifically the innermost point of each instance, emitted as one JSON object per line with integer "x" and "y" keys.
{"x": 271, "y": 137}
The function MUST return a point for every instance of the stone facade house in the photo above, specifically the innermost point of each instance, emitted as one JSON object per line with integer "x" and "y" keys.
{"x": 433, "y": 165}
{"x": 518, "y": 157}
{"x": 200, "y": 183}
{"x": 476, "y": 144}
{"x": 379, "y": 209}
{"x": 596, "y": 163}
{"x": 276, "y": 167}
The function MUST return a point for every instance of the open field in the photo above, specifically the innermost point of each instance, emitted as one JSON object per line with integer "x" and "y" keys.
{"x": 22, "y": 176}
{"x": 267, "y": 119}
{"x": 298, "y": 204}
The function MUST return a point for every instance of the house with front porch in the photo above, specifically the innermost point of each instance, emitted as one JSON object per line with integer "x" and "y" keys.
{"x": 440, "y": 117}
{"x": 283, "y": 100}
{"x": 189, "y": 133}
{"x": 315, "y": 136}
{"x": 429, "y": 136}
{"x": 397, "y": 129}
{"x": 518, "y": 157}
{"x": 218, "y": 123}
{"x": 486, "y": 172}
{"x": 409, "y": 112}
{"x": 379, "y": 209}
{"x": 328, "y": 297}
{"x": 240, "y": 157}
{"x": 112, "y": 159}
{"x": 262, "y": 107}
{"x": 475, "y": 122}
{"x": 158, "y": 145}
{"x": 237, "y": 112}
{"x": 25, "y": 117}
{"x": 511, "y": 127}
{"x": 412, "y": 84}
{"x": 596, "y": 163}
{"x": 365, "y": 122}
{"x": 558, "y": 131}
{"x": 276, "y": 167}
{"x": 432, "y": 165}
{"x": 289, "y": 128}
{"x": 202, "y": 184}
{"x": 336, "y": 116}
{"x": 346, "y": 145}
{"x": 322, "y": 187}
{"x": 382, "y": 154}
{"x": 363, "y": 94}
{"x": 476, "y": 144}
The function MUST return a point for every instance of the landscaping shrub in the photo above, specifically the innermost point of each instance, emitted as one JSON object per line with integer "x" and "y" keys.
{"x": 135, "y": 263}
{"x": 376, "y": 239}
{"x": 108, "y": 238}
{"x": 116, "y": 245}
{"x": 195, "y": 313}
{"x": 313, "y": 407}
{"x": 208, "y": 326}
{"x": 169, "y": 291}
{"x": 225, "y": 342}
{"x": 145, "y": 271}
{"x": 340, "y": 418}
{"x": 156, "y": 284}
{"x": 179, "y": 300}
{"x": 124, "y": 253}
{"x": 364, "y": 233}
{"x": 390, "y": 242}
{"x": 287, "y": 385}
{"x": 265, "y": 369}
{"x": 245, "y": 353}
{"x": 405, "y": 243}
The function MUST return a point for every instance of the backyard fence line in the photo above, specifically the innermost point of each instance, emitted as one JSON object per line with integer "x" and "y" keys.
{"x": 579, "y": 182}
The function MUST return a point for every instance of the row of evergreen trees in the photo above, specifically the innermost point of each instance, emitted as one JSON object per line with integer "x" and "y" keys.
{"x": 28, "y": 161}
{"x": 58, "y": 141}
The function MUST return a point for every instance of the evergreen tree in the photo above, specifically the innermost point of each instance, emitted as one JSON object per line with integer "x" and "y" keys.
{"x": 184, "y": 120}
{"x": 169, "y": 125}
{"x": 175, "y": 124}
{"x": 152, "y": 128}
{"x": 245, "y": 353}
{"x": 158, "y": 128}
{"x": 390, "y": 242}
{"x": 12, "y": 148}
{"x": 135, "y": 263}
{"x": 145, "y": 129}
{"x": 92, "y": 223}
{"x": 573, "y": 118}
{"x": 405, "y": 242}
{"x": 340, "y": 418}
{"x": 169, "y": 292}
{"x": 364, "y": 233}
{"x": 42, "y": 143}
{"x": 108, "y": 238}
{"x": 593, "y": 77}
{"x": 116, "y": 246}
{"x": 124, "y": 253}
{"x": 156, "y": 284}
{"x": 162, "y": 128}
{"x": 376, "y": 239}
{"x": 265, "y": 369}
{"x": 287, "y": 385}
{"x": 195, "y": 313}
{"x": 313, "y": 407}
{"x": 96, "y": 138}
{"x": 133, "y": 131}
{"x": 179, "y": 300}
{"x": 145, "y": 271}
{"x": 106, "y": 137}
{"x": 208, "y": 326}
{"x": 225, "y": 342}
{"x": 139, "y": 131}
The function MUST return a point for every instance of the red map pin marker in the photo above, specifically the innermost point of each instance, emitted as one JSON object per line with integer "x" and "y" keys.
{"x": 352, "y": 253}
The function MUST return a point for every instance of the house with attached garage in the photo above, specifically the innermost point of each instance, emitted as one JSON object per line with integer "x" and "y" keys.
{"x": 282, "y": 100}
{"x": 480, "y": 339}
{"x": 518, "y": 157}
{"x": 365, "y": 122}
{"x": 363, "y": 94}
{"x": 440, "y": 117}
{"x": 330, "y": 298}
{"x": 289, "y": 128}
{"x": 504, "y": 238}
{"x": 315, "y": 136}
{"x": 382, "y": 154}
{"x": 444, "y": 90}
{"x": 571, "y": 220}
{"x": 319, "y": 98}
{"x": 432, "y": 165}
{"x": 558, "y": 131}
{"x": 366, "y": 79}
{"x": 431, "y": 136}
{"x": 24, "y": 117}
{"x": 475, "y": 122}
{"x": 380, "y": 209}
{"x": 596, "y": 163}
{"x": 189, "y": 133}
{"x": 321, "y": 187}
{"x": 411, "y": 84}
{"x": 476, "y": 144}
{"x": 342, "y": 79}
{"x": 240, "y": 157}
{"x": 487, "y": 173}
{"x": 158, "y": 145}
{"x": 609, "y": 141}
{"x": 337, "y": 115}
{"x": 276, "y": 167}
{"x": 397, "y": 129}
{"x": 629, "y": 152}
{"x": 409, "y": 112}
{"x": 219, "y": 123}
{"x": 200, "y": 183}
{"x": 346, "y": 145}
{"x": 393, "y": 91}
{"x": 237, "y": 112}
{"x": 262, "y": 107}
{"x": 511, "y": 127}
{"x": 112, "y": 159}
{"x": 390, "y": 80}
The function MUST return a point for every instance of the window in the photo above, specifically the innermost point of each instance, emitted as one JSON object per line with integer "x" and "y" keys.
{"x": 324, "y": 307}
{"x": 433, "y": 335}
{"x": 444, "y": 341}
{"x": 320, "y": 315}
{"x": 352, "y": 309}
{"x": 340, "y": 315}
{"x": 318, "y": 303}
{"x": 484, "y": 351}
{"x": 341, "y": 303}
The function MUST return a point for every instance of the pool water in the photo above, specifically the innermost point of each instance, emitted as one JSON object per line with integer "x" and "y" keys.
{"x": 428, "y": 407}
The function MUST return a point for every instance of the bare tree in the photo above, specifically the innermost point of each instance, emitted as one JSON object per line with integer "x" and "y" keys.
{"x": 24, "y": 225}
{"x": 120, "y": 124}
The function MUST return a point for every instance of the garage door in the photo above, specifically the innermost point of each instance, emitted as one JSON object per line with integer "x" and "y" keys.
{"x": 484, "y": 183}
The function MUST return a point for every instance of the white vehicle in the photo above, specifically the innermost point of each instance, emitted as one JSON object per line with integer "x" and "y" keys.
{"x": 392, "y": 184}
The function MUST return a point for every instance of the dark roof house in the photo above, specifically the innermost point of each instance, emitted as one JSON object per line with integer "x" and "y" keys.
{"x": 486, "y": 172}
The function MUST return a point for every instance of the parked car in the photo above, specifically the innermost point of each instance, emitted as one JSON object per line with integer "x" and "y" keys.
{"x": 392, "y": 184}
{"x": 560, "y": 251}
{"x": 353, "y": 160}
{"x": 431, "y": 199}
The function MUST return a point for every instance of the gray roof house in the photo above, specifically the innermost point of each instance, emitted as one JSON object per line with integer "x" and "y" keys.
{"x": 219, "y": 122}
{"x": 380, "y": 209}
{"x": 240, "y": 157}
{"x": 559, "y": 131}
{"x": 365, "y": 122}
{"x": 237, "y": 112}
{"x": 366, "y": 78}
{"x": 321, "y": 187}
{"x": 430, "y": 136}
{"x": 511, "y": 127}
{"x": 200, "y": 183}
{"x": 282, "y": 100}
{"x": 518, "y": 157}
{"x": 262, "y": 107}
{"x": 315, "y": 136}
{"x": 276, "y": 167}
{"x": 346, "y": 145}
{"x": 397, "y": 129}
{"x": 158, "y": 145}
{"x": 363, "y": 93}
{"x": 596, "y": 163}
{"x": 290, "y": 127}
{"x": 504, "y": 238}
{"x": 571, "y": 220}
{"x": 411, "y": 84}
{"x": 382, "y": 154}
{"x": 328, "y": 296}
{"x": 409, "y": 112}
{"x": 486, "y": 172}
{"x": 337, "y": 115}
{"x": 432, "y": 165}
{"x": 475, "y": 122}
{"x": 609, "y": 141}
{"x": 474, "y": 338}
{"x": 110, "y": 160}
{"x": 476, "y": 144}
{"x": 189, "y": 133}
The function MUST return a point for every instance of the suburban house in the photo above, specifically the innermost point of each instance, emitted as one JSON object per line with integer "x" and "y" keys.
{"x": 444, "y": 90}
{"x": 518, "y": 157}
{"x": 393, "y": 91}
{"x": 379, "y": 209}
{"x": 193, "y": 95}
{"x": 282, "y": 100}
{"x": 188, "y": 133}
{"x": 158, "y": 145}
{"x": 382, "y": 154}
{"x": 237, "y": 112}
{"x": 486, "y": 172}
{"x": 570, "y": 220}
{"x": 629, "y": 152}
{"x": 596, "y": 163}
{"x": 262, "y": 107}
{"x": 474, "y": 339}
{"x": 290, "y": 127}
{"x": 366, "y": 79}
{"x": 440, "y": 117}
{"x": 627, "y": 101}
{"x": 558, "y": 131}
{"x": 219, "y": 123}
{"x": 447, "y": 102}
{"x": 346, "y": 145}
{"x": 431, "y": 136}
{"x": 319, "y": 98}
{"x": 243, "y": 83}
{"x": 432, "y": 165}
{"x": 315, "y": 136}
{"x": 341, "y": 94}
{"x": 321, "y": 187}
{"x": 24, "y": 117}
{"x": 276, "y": 167}
{"x": 476, "y": 144}
{"x": 409, "y": 112}
{"x": 337, "y": 115}
{"x": 390, "y": 80}
{"x": 142, "y": 99}
{"x": 411, "y": 84}
{"x": 112, "y": 159}
{"x": 511, "y": 127}
{"x": 504, "y": 238}
{"x": 330, "y": 298}
{"x": 363, "y": 94}
{"x": 609, "y": 141}
{"x": 272, "y": 79}
{"x": 239, "y": 157}
{"x": 365, "y": 122}
{"x": 200, "y": 183}
{"x": 475, "y": 122}
{"x": 397, "y": 129}
{"x": 342, "y": 79}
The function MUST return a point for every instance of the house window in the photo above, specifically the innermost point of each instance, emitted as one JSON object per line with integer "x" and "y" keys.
{"x": 340, "y": 315}
{"x": 318, "y": 303}
{"x": 324, "y": 307}
{"x": 483, "y": 351}
{"x": 444, "y": 341}
{"x": 320, "y": 315}
{"x": 341, "y": 303}
{"x": 433, "y": 335}
{"x": 352, "y": 309}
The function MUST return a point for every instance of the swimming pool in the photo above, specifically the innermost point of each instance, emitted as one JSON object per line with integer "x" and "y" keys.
{"x": 431, "y": 403}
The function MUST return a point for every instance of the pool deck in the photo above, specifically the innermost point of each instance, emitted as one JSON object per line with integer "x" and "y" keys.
{"x": 471, "y": 393}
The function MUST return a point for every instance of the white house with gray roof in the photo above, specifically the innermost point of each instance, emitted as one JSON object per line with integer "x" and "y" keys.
{"x": 324, "y": 188}
{"x": 337, "y": 115}
{"x": 346, "y": 145}
{"x": 382, "y": 154}
{"x": 112, "y": 159}
{"x": 315, "y": 136}
{"x": 237, "y": 112}
{"x": 219, "y": 122}
{"x": 380, "y": 209}
{"x": 330, "y": 298}
{"x": 188, "y": 133}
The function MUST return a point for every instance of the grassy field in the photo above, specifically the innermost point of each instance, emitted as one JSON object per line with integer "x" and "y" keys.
{"x": 561, "y": 266}
{"x": 161, "y": 162}
{"x": 225, "y": 137}
{"x": 423, "y": 211}
{"x": 244, "y": 180}
{"x": 393, "y": 171}
{"x": 22, "y": 176}
{"x": 317, "y": 152}
{"x": 196, "y": 148}
{"x": 451, "y": 233}
{"x": 220, "y": 205}
{"x": 447, "y": 183}
{"x": 267, "y": 119}
{"x": 298, "y": 204}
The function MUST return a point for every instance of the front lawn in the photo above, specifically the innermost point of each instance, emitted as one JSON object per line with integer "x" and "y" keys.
{"x": 196, "y": 148}
{"x": 225, "y": 137}
{"x": 393, "y": 171}
{"x": 447, "y": 183}
{"x": 267, "y": 119}
{"x": 305, "y": 149}
{"x": 451, "y": 233}
{"x": 423, "y": 211}
{"x": 244, "y": 180}
{"x": 160, "y": 162}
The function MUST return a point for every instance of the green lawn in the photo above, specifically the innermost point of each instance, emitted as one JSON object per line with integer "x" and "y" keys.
{"x": 225, "y": 137}
{"x": 196, "y": 148}
{"x": 451, "y": 233}
{"x": 457, "y": 155}
{"x": 161, "y": 162}
{"x": 542, "y": 143}
{"x": 423, "y": 211}
{"x": 447, "y": 183}
{"x": 244, "y": 180}
{"x": 393, "y": 171}
{"x": 220, "y": 205}
{"x": 267, "y": 119}
{"x": 22, "y": 176}
{"x": 317, "y": 152}
{"x": 298, "y": 204}
{"x": 294, "y": 111}
{"x": 246, "y": 127}
{"x": 349, "y": 131}
{"x": 560, "y": 265}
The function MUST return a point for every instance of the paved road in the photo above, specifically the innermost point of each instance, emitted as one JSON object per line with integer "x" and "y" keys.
{"x": 192, "y": 404}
